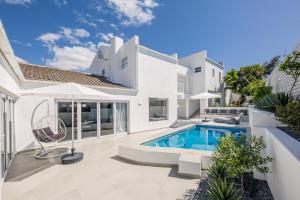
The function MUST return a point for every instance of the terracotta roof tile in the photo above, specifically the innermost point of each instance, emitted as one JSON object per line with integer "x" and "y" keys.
{"x": 41, "y": 73}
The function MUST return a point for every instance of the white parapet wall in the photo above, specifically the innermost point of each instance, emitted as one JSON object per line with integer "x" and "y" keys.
{"x": 190, "y": 162}
{"x": 284, "y": 179}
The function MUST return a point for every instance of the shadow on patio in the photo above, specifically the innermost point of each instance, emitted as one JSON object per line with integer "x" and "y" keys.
{"x": 25, "y": 165}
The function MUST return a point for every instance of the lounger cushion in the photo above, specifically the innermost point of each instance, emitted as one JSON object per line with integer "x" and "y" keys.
{"x": 46, "y": 135}
{"x": 224, "y": 120}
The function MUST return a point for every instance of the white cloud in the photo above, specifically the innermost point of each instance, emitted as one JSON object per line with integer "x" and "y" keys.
{"x": 21, "y": 60}
{"x": 102, "y": 44}
{"x": 150, "y": 3}
{"x": 73, "y": 35}
{"x": 114, "y": 26}
{"x": 81, "y": 33}
{"x": 134, "y": 12}
{"x": 75, "y": 57}
{"x": 105, "y": 37}
{"x": 84, "y": 19}
{"x": 101, "y": 20}
{"x": 75, "y": 54}
{"x": 60, "y": 3}
{"x": 21, "y": 43}
{"x": 49, "y": 37}
{"x": 18, "y": 2}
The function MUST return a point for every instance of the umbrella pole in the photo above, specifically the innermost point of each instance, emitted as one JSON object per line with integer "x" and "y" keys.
{"x": 72, "y": 149}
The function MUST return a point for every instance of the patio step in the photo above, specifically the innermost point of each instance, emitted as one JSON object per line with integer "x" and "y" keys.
{"x": 190, "y": 164}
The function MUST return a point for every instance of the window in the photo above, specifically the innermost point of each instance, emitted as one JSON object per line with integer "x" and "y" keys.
{"x": 124, "y": 62}
{"x": 213, "y": 72}
{"x": 158, "y": 109}
{"x": 220, "y": 77}
{"x": 88, "y": 119}
{"x": 103, "y": 72}
{"x": 65, "y": 114}
{"x": 197, "y": 69}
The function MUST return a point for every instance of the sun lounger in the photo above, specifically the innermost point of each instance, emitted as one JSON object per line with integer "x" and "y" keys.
{"x": 229, "y": 120}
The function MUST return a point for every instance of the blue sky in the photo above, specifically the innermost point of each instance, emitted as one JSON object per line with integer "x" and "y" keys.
{"x": 66, "y": 33}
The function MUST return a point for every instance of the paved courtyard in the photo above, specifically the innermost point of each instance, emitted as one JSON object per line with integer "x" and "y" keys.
{"x": 101, "y": 175}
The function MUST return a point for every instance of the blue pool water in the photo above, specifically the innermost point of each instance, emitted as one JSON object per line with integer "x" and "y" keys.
{"x": 199, "y": 137}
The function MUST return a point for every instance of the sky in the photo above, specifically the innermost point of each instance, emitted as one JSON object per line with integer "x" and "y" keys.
{"x": 67, "y": 33}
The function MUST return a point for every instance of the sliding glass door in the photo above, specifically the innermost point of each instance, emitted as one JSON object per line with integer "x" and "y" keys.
{"x": 107, "y": 119}
{"x": 93, "y": 118}
{"x": 6, "y": 131}
{"x": 121, "y": 117}
{"x": 3, "y": 136}
{"x": 65, "y": 114}
{"x": 88, "y": 119}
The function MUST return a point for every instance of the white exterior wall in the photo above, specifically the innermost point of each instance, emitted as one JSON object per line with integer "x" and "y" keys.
{"x": 154, "y": 86}
{"x": 281, "y": 82}
{"x": 112, "y": 64}
{"x": 98, "y": 65}
{"x": 213, "y": 83}
{"x": 128, "y": 75}
{"x": 284, "y": 179}
{"x": 182, "y": 108}
{"x": 197, "y": 83}
{"x": 9, "y": 86}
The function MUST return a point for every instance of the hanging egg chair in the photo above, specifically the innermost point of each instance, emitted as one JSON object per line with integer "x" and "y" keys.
{"x": 48, "y": 130}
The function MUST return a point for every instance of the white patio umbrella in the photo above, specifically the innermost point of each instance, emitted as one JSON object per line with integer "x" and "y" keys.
{"x": 205, "y": 95}
{"x": 68, "y": 91}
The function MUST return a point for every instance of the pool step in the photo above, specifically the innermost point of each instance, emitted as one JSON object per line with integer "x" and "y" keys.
{"x": 189, "y": 164}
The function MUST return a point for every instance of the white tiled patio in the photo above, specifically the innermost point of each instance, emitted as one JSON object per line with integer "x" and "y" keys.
{"x": 101, "y": 175}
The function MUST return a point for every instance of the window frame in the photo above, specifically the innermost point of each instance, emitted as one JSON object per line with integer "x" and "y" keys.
{"x": 166, "y": 118}
{"x": 124, "y": 62}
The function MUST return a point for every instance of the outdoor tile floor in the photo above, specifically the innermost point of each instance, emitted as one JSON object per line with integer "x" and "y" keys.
{"x": 101, "y": 175}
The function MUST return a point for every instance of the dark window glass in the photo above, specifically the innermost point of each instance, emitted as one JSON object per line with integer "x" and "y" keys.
{"x": 158, "y": 109}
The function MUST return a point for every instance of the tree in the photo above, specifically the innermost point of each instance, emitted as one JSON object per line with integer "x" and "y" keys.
{"x": 238, "y": 81}
{"x": 241, "y": 154}
{"x": 258, "y": 89}
{"x": 291, "y": 66}
{"x": 270, "y": 66}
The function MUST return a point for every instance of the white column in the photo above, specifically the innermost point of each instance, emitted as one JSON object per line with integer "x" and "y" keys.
{"x": 79, "y": 120}
{"x": 98, "y": 119}
{"x": 114, "y": 117}
{"x": 187, "y": 107}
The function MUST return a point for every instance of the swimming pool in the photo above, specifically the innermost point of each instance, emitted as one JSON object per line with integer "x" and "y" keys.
{"x": 199, "y": 137}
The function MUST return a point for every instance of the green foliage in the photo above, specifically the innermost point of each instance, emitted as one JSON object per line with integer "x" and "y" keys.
{"x": 218, "y": 171}
{"x": 271, "y": 101}
{"x": 219, "y": 189}
{"x": 231, "y": 80}
{"x": 241, "y": 154}
{"x": 258, "y": 89}
{"x": 270, "y": 66}
{"x": 290, "y": 114}
{"x": 238, "y": 81}
{"x": 291, "y": 66}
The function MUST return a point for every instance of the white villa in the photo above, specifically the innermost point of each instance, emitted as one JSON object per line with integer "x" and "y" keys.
{"x": 152, "y": 90}
{"x": 128, "y": 88}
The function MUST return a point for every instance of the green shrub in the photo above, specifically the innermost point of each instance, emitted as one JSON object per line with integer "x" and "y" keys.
{"x": 290, "y": 114}
{"x": 218, "y": 171}
{"x": 270, "y": 102}
{"x": 241, "y": 154}
{"x": 219, "y": 189}
{"x": 258, "y": 89}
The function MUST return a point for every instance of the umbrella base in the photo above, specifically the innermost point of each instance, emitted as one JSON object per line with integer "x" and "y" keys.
{"x": 72, "y": 158}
